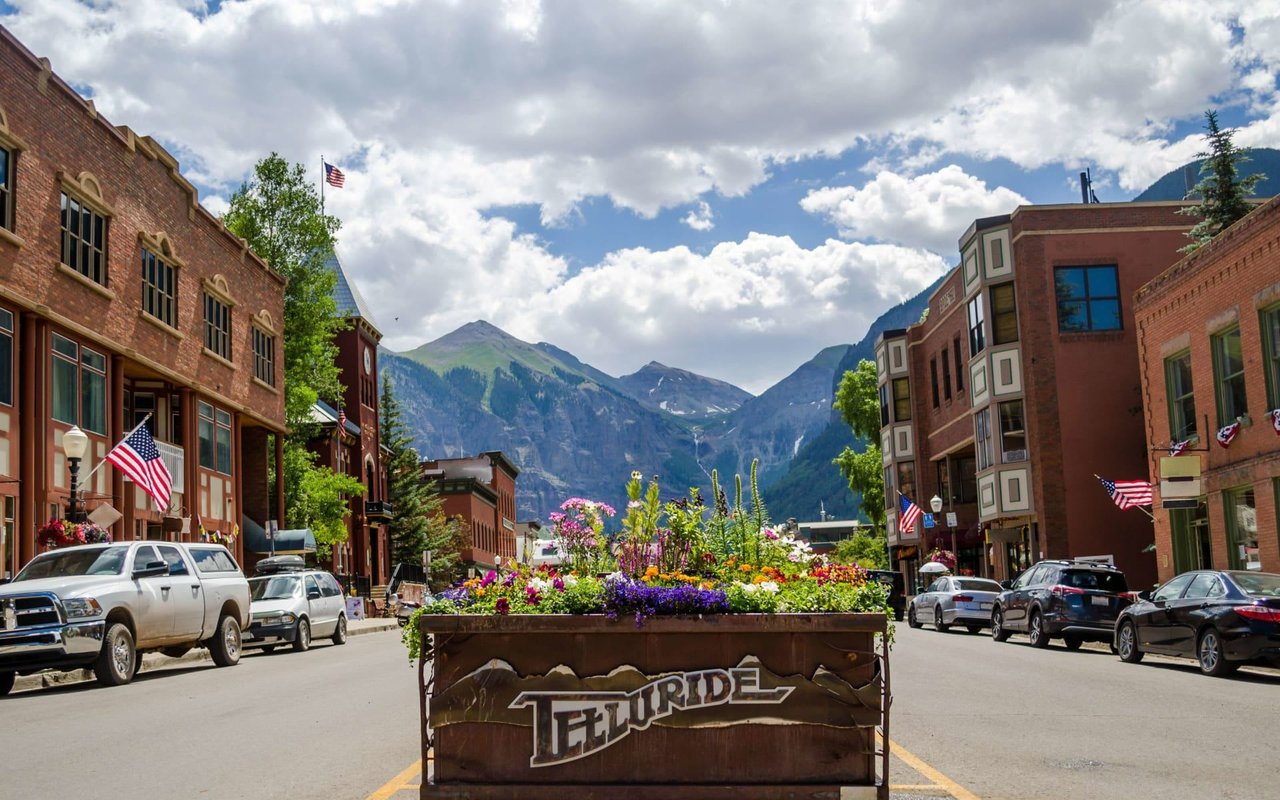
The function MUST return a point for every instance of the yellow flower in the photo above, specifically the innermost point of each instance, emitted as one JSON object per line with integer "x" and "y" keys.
{"x": 760, "y": 579}
{"x": 480, "y": 592}
{"x": 746, "y": 568}
{"x": 651, "y": 572}
{"x": 708, "y": 585}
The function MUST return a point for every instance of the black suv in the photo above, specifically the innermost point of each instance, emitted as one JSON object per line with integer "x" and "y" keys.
{"x": 893, "y": 583}
{"x": 1076, "y": 600}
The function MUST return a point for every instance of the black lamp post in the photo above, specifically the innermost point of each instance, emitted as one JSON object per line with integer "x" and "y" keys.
{"x": 74, "y": 444}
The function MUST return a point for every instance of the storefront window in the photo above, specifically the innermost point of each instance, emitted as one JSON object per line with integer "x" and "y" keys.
{"x": 215, "y": 438}
{"x": 9, "y": 538}
{"x": 79, "y": 385}
{"x": 1242, "y": 528}
{"x": 1191, "y": 544}
{"x": 6, "y": 357}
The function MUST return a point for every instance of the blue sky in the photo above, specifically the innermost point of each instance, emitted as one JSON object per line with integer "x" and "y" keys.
{"x": 724, "y": 186}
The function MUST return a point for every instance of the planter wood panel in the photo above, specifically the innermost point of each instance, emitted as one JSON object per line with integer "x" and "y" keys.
{"x": 740, "y": 705}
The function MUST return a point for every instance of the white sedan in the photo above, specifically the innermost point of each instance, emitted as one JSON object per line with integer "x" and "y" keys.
{"x": 952, "y": 600}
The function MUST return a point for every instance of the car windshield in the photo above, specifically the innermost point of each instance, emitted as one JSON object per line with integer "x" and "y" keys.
{"x": 98, "y": 561}
{"x": 277, "y": 587}
{"x": 977, "y": 585}
{"x": 1262, "y": 584}
{"x": 1094, "y": 579}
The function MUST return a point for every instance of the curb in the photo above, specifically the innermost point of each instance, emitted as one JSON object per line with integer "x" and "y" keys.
{"x": 153, "y": 661}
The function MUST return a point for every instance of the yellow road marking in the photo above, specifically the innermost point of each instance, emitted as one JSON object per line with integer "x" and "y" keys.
{"x": 914, "y": 787}
{"x": 957, "y": 791}
{"x": 397, "y": 783}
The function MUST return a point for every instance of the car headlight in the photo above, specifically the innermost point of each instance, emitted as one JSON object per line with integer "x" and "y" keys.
{"x": 80, "y": 607}
{"x": 288, "y": 619}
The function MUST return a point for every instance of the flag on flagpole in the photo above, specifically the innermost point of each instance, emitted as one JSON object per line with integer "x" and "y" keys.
{"x": 1227, "y": 434}
{"x": 342, "y": 420}
{"x": 139, "y": 459}
{"x": 1127, "y": 494}
{"x": 1275, "y": 421}
{"x": 333, "y": 176}
{"x": 909, "y": 514}
{"x": 1176, "y": 448}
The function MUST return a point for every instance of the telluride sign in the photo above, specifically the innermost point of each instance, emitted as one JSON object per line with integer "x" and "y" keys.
{"x": 570, "y": 725}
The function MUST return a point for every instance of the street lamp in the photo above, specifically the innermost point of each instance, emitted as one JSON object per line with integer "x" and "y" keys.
{"x": 74, "y": 444}
{"x": 935, "y": 503}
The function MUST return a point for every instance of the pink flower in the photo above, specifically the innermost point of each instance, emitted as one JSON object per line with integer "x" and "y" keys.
{"x": 531, "y": 595}
{"x": 559, "y": 584}
{"x": 770, "y": 534}
{"x": 489, "y": 577}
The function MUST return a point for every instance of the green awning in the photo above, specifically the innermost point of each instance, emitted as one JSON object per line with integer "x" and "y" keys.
{"x": 297, "y": 541}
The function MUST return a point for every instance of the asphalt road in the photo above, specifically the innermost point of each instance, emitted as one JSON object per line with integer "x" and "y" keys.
{"x": 1010, "y": 721}
{"x": 331, "y": 723}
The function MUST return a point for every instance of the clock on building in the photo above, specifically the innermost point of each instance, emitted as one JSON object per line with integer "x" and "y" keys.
{"x": 368, "y": 361}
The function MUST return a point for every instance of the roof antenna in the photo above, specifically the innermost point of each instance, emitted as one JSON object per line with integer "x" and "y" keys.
{"x": 1086, "y": 188}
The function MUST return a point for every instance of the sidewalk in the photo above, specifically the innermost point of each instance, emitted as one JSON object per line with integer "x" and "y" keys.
{"x": 151, "y": 661}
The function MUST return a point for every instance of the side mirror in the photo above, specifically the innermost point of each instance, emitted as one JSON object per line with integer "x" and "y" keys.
{"x": 1006, "y": 584}
{"x": 313, "y": 594}
{"x": 3, "y": 581}
{"x": 150, "y": 569}
{"x": 1145, "y": 594}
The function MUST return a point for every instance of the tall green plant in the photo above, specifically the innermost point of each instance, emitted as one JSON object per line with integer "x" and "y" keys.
{"x": 858, "y": 402}
{"x": 1224, "y": 195}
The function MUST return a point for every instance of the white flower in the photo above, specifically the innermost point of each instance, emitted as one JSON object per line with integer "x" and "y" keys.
{"x": 769, "y": 586}
{"x": 750, "y": 588}
{"x": 572, "y": 580}
{"x": 540, "y": 584}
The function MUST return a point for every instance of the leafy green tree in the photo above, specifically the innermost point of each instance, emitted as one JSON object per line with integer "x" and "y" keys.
{"x": 1224, "y": 195}
{"x": 858, "y": 403}
{"x": 277, "y": 211}
{"x": 864, "y": 549}
{"x": 418, "y": 522}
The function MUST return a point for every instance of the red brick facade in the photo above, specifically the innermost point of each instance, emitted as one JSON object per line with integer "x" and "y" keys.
{"x": 1215, "y": 315}
{"x": 481, "y": 492}
{"x": 131, "y": 358}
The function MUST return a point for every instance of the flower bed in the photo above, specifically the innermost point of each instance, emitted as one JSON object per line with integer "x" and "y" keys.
{"x": 61, "y": 533}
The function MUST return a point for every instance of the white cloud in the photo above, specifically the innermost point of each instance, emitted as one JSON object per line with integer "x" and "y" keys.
{"x": 927, "y": 211}
{"x": 700, "y": 218}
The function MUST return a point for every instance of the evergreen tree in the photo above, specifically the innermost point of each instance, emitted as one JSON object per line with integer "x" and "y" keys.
{"x": 278, "y": 213}
{"x": 418, "y": 522}
{"x": 1224, "y": 195}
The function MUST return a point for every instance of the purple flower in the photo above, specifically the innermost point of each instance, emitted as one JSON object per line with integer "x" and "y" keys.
{"x": 503, "y": 606}
{"x": 626, "y": 596}
{"x": 489, "y": 578}
{"x": 510, "y": 579}
{"x": 531, "y": 595}
{"x": 558, "y": 583}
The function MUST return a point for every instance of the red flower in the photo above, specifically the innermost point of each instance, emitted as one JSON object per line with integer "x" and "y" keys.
{"x": 503, "y": 606}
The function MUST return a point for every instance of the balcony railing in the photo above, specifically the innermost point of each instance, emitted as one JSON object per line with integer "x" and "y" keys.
{"x": 377, "y": 511}
{"x": 175, "y": 458}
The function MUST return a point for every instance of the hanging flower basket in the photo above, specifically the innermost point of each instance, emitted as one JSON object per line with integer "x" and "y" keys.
{"x": 62, "y": 533}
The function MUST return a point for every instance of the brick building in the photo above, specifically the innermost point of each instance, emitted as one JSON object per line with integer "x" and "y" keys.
{"x": 1021, "y": 383}
{"x": 121, "y": 296}
{"x": 481, "y": 491}
{"x": 1209, "y": 330}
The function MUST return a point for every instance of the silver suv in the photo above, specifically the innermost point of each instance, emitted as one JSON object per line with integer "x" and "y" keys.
{"x": 291, "y": 604}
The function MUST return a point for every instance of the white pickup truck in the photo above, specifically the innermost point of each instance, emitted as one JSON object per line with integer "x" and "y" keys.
{"x": 103, "y": 605}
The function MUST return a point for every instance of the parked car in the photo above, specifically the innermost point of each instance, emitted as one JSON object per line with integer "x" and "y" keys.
{"x": 1076, "y": 600}
{"x": 103, "y": 605}
{"x": 952, "y": 600}
{"x": 292, "y": 604}
{"x": 1222, "y": 619}
{"x": 893, "y": 582}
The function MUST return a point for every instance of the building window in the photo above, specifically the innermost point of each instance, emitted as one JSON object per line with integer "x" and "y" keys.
{"x": 982, "y": 438}
{"x": 1192, "y": 547}
{"x": 1182, "y": 400}
{"x": 967, "y": 479}
{"x": 264, "y": 356}
{"x": 1242, "y": 528}
{"x": 907, "y": 479}
{"x": 977, "y": 338}
{"x": 215, "y": 438}
{"x": 997, "y": 254}
{"x": 1271, "y": 354}
{"x": 159, "y": 289}
{"x": 6, "y": 188}
{"x": 1088, "y": 298}
{"x": 6, "y": 357}
{"x": 946, "y": 374}
{"x": 944, "y": 479}
{"x": 890, "y": 496}
{"x": 933, "y": 375}
{"x": 959, "y": 365}
{"x": 1013, "y": 432}
{"x": 217, "y": 326}
{"x": 1004, "y": 314}
{"x": 884, "y": 405}
{"x": 8, "y": 538}
{"x": 1228, "y": 376}
{"x": 901, "y": 400}
{"x": 79, "y": 385}
{"x": 84, "y": 239}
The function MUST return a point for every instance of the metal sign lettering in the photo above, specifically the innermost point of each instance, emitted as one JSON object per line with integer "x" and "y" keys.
{"x": 571, "y": 725}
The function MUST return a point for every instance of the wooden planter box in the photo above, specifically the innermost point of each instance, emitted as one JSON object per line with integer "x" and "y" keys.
{"x": 723, "y": 706}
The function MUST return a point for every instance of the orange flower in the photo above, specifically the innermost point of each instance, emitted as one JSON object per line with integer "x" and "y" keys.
{"x": 480, "y": 592}
{"x": 708, "y": 585}
{"x": 760, "y": 579}
{"x": 746, "y": 568}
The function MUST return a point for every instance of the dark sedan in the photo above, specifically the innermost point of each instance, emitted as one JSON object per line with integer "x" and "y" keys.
{"x": 1222, "y": 618}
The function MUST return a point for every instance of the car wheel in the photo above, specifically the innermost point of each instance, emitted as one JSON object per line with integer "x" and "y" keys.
{"x": 302, "y": 639}
{"x": 1126, "y": 644}
{"x": 911, "y": 617}
{"x": 340, "y": 632}
{"x": 1212, "y": 660}
{"x": 6, "y": 682}
{"x": 225, "y": 645}
{"x": 938, "y": 624}
{"x": 974, "y": 628}
{"x": 998, "y": 631}
{"x": 1035, "y": 631}
{"x": 1072, "y": 642}
{"x": 116, "y": 660}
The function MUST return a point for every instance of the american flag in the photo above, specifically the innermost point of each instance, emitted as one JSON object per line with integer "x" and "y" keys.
{"x": 139, "y": 459}
{"x": 1127, "y": 494}
{"x": 1176, "y": 448}
{"x": 909, "y": 513}
{"x": 333, "y": 176}
{"x": 1227, "y": 434}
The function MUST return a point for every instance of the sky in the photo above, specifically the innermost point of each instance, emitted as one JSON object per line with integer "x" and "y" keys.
{"x": 725, "y": 187}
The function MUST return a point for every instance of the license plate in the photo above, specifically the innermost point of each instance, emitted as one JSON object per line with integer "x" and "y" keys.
{"x": 1099, "y": 600}
{"x": 984, "y": 606}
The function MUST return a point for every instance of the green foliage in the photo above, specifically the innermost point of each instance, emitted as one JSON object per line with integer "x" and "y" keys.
{"x": 317, "y": 498}
{"x": 467, "y": 382}
{"x": 858, "y": 401}
{"x": 505, "y": 396}
{"x": 865, "y": 473}
{"x": 865, "y": 550}
{"x": 1224, "y": 195}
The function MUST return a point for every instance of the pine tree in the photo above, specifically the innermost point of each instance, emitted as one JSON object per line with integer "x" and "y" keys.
{"x": 1224, "y": 196}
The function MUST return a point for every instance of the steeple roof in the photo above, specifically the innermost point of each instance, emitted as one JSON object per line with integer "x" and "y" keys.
{"x": 350, "y": 302}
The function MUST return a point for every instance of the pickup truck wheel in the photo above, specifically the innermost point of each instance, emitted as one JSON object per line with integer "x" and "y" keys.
{"x": 117, "y": 661}
{"x": 6, "y": 682}
{"x": 340, "y": 632}
{"x": 302, "y": 641}
{"x": 225, "y": 644}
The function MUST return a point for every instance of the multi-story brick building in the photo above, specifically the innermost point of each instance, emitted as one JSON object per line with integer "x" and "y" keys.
{"x": 1209, "y": 332}
{"x": 122, "y": 297}
{"x": 481, "y": 491}
{"x": 1021, "y": 384}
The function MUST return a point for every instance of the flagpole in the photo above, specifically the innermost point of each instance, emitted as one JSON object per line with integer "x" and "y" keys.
{"x": 322, "y": 177}
{"x": 85, "y": 479}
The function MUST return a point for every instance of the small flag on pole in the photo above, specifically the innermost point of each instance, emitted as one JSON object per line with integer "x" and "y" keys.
{"x": 342, "y": 420}
{"x": 333, "y": 176}
{"x": 139, "y": 459}
{"x": 909, "y": 514}
{"x": 1228, "y": 433}
{"x": 1127, "y": 494}
{"x": 1177, "y": 448}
